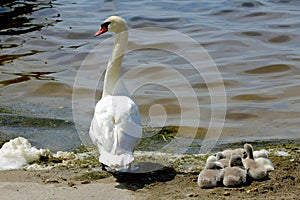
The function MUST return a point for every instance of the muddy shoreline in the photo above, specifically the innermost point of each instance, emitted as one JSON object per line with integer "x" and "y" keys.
{"x": 178, "y": 180}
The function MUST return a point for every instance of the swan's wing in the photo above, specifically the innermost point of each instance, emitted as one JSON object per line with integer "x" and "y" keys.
{"x": 127, "y": 123}
{"x": 116, "y": 127}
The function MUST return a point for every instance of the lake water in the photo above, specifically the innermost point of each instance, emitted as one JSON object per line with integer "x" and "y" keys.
{"x": 229, "y": 67}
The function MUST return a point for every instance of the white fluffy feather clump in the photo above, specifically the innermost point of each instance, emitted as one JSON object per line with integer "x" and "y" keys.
{"x": 17, "y": 153}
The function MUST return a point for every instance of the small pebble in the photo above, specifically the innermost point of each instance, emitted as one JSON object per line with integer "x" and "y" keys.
{"x": 252, "y": 190}
{"x": 282, "y": 153}
{"x": 71, "y": 184}
{"x": 193, "y": 195}
{"x": 51, "y": 181}
{"x": 85, "y": 182}
{"x": 226, "y": 193}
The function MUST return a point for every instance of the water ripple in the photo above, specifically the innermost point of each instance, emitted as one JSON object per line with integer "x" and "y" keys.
{"x": 254, "y": 44}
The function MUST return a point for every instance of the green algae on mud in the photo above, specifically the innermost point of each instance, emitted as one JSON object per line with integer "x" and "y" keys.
{"x": 87, "y": 158}
{"x": 23, "y": 121}
{"x": 155, "y": 138}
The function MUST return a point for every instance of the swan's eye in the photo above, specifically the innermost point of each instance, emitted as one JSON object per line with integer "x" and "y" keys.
{"x": 105, "y": 25}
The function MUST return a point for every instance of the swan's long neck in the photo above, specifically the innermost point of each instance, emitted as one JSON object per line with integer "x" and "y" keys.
{"x": 114, "y": 64}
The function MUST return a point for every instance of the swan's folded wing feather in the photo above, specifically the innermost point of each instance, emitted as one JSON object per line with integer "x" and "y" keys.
{"x": 129, "y": 131}
{"x": 102, "y": 129}
{"x": 116, "y": 124}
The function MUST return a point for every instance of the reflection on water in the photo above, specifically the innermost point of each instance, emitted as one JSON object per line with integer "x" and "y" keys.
{"x": 255, "y": 45}
{"x": 26, "y": 76}
{"x": 20, "y": 17}
{"x": 269, "y": 69}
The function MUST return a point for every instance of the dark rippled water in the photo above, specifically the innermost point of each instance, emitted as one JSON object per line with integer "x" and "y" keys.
{"x": 254, "y": 44}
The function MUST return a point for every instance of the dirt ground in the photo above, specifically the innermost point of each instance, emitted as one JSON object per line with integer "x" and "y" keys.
{"x": 164, "y": 183}
{"x": 283, "y": 183}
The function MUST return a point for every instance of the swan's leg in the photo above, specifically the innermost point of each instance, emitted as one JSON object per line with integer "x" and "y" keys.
{"x": 103, "y": 167}
{"x": 132, "y": 168}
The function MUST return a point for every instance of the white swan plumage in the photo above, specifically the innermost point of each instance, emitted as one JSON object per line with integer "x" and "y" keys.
{"x": 116, "y": 126}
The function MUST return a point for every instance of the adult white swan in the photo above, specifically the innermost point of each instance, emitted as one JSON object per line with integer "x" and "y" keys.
{"x": 116, "y": 127}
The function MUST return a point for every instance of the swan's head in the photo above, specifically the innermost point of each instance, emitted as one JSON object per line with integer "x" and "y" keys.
{"x": 112, "y": 24}
{"x": 214, "y": 165}
{"x": 235, "y": 160}
{"x": 220, "y": 156}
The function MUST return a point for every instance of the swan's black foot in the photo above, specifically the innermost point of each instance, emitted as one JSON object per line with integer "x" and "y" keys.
{"x": 104, "y": 167}
{"x": 132, "y": 168}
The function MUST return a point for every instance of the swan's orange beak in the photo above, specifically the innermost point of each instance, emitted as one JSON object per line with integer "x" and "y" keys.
{"x": 104, "y": 28}
{"x": 101, "y": 31}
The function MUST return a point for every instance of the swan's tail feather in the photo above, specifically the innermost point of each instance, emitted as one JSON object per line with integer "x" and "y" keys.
{"x": 119, "y": 162}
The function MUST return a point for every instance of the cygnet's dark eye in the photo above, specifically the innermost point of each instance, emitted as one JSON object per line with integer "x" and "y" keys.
{"x": 219, "y": 167}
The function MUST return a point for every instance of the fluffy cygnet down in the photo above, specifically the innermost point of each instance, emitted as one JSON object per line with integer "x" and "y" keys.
{"x": 222, "y": 159}
{"x": 240, "y": 151}
{"x": 235, "y": 174}
{"x": 262, "y": 157}
{"x": 211, "y": 175}
{"x": 255, "y": 169}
